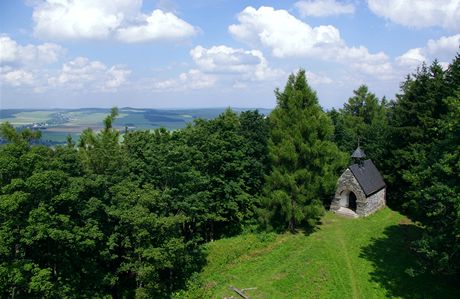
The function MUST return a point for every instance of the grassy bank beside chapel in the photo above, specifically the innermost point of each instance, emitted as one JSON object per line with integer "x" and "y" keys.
{"x": 344, "y": 258}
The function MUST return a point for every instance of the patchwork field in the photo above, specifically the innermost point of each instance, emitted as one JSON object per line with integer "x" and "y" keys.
{"x": 344, "y": 258}
{"x": 58, "y": 123}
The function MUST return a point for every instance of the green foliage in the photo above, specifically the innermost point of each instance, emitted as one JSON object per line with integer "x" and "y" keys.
{"x": 425, "y": 157}
{"x": 9, "y": 133}
{"x": 305, "y": 162}
{"x": 124, "y": 219}
{"x": 363, "y": 118}
{"x": 211, "y": 171}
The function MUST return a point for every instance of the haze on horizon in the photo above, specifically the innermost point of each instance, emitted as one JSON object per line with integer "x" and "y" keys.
{"x": 190, "y": 54}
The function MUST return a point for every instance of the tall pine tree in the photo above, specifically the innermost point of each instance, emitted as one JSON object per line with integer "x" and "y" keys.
{"x": 305, "y": 162}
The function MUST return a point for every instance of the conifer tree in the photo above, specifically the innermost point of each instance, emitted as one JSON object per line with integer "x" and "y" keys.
{"x": 305, "y": 162}
{"x": 363, "y": 117}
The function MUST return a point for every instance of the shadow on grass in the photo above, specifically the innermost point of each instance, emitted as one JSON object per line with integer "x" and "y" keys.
{"x": 392, "y": 260}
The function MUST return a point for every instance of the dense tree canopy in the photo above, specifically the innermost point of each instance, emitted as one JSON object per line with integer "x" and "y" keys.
{"x": 124, "y": 219}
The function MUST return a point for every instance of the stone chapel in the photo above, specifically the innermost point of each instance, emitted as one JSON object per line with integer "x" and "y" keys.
{"x": 360, "y": 189}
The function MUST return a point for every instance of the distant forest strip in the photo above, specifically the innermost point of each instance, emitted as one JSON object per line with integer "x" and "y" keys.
{"x": 100, "y": 217}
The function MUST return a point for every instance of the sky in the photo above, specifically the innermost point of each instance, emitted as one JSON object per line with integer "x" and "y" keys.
{"x": 214, "y": 53}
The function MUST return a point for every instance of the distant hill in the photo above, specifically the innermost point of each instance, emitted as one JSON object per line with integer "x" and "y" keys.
{"x": 56, "y": 124}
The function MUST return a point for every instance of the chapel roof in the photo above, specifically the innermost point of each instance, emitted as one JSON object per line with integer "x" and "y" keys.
{"x": 368, "y": 177}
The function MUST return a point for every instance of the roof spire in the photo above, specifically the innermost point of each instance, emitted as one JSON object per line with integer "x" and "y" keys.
{"x": 358, "y": 153}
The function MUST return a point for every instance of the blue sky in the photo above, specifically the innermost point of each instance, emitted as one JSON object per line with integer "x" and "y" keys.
{"x": 213, "y": 53}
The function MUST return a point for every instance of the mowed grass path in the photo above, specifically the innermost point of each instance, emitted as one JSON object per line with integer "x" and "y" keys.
{"x": 343, "y": 258}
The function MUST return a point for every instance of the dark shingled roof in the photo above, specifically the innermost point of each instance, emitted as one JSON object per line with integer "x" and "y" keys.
{"x": 369, "y": 178}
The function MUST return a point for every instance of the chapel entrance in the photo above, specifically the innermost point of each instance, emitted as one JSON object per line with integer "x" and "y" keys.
{"x": 352, "y": 201}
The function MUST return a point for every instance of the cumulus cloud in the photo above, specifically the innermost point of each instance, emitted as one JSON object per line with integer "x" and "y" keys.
{"x": 323, "y": 8}
{"x": 159, "y": 25}
{"x": 445, "y": 45}
{"x": 82, "y": 73}
{"x": 102, "y": 19}
{"x": 16, "y": 77}
{"x": 251, "y": 64}
{"x": 116, "y": 77}
{"x": 411, "y": 58}
{"x": 317, "y": 79}
{"x": 13, "y": 53}
{"x": 443, "y": 48}
{"x": 419, "y": 14}
{"x": 287, "y": 36}
{"x": 69, "y": 19}
{"x": 193, "y": 79}
{"x": 25, "y": 66}
{"x": 283, "y": 33}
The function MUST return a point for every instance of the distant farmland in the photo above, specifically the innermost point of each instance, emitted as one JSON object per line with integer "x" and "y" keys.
{"x": 56, "y": 124}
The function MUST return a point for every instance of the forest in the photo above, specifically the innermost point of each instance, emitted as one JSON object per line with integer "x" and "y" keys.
{"x": 126, "y": 214}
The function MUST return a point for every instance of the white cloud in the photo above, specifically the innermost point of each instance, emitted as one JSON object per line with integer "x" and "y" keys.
{"x": 420, "y": 13}
{"x": 251, "y": 64}
{"x": 445, "y": 45}
{"x": 443, "y": 48}
{"x": 16, "y": 77}
{"x": 159, "y": 25}
{"x": 102, "y": 19}
{"x": 322, "y": 8}
{"x": 287, "y": 36}
{"x": 283, "y": 33}
{"x": 193, "y": 79}
{"x": 359, "y": 58}
{"x": 116, "y": 77}
{"x": 235, "y": 67}
{"x": 23, "y": 66}
{"x": 13, "y": 53}
{"x": 70, "y": 19}
{"x": 82, "y": 73}
{"x": 317, "y": 79}
{"x": 411, "y": 58}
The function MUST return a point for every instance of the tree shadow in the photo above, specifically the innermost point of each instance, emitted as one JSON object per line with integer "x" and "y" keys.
{"x": 394, "y": 262}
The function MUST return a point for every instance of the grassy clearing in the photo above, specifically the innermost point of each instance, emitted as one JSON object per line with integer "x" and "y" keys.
{"x": 344, "y": 258}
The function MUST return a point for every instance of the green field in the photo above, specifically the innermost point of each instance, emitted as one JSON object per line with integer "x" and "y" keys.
{"x": 344, "y": 258}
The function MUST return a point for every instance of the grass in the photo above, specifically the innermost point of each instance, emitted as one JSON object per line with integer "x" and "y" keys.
{"x": 344, "y": 258}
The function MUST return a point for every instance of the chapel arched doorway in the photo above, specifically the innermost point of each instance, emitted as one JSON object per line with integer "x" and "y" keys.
{"x": 352, "y": 201}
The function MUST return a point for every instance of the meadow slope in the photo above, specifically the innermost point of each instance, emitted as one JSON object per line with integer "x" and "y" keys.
{"x": 343, "y": 258}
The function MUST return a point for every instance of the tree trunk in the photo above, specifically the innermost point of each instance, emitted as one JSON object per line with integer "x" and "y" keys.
{"x": 292, "y": 220}
{"x": 292, "y": 224}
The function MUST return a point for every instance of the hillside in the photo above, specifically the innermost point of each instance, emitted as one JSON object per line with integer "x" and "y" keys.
{"x": 344, "y": 258}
